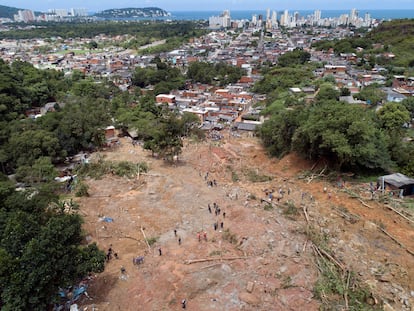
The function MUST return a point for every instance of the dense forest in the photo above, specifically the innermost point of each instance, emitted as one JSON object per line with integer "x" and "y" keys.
{"x": 348, "y": 137}
{"x": 154, "y": 29}
{"x": 7, "y": 11}
{"x": 140, "y": 33}
{"x": 132, "y": 13}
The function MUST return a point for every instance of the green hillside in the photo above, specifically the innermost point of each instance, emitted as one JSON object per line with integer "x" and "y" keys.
{"x": 7, "y": 11}
{"x": 398, "y": 35}
{"x": 133, "y": 13}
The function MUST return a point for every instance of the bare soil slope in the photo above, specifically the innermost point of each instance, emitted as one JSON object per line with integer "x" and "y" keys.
{"x": 260, "y": 259}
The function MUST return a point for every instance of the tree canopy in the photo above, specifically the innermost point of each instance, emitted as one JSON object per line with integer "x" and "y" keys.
{"x": 219, "y": 73}
{"x": 349, "y": 137}
{"x": 40, "y": 249}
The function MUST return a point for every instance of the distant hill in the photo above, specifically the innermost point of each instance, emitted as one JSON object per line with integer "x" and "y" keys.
{"x": 393, "y": 32}
{"x": 398, "y": 35}
{"x": 133, "y": 13}
{"x": 7, "y": 11}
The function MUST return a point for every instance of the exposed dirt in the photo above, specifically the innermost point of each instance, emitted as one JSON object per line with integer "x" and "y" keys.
{"x": 263, "y": 261}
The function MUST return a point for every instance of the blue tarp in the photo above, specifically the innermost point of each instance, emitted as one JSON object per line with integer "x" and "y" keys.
{"x": 77, "y": 292}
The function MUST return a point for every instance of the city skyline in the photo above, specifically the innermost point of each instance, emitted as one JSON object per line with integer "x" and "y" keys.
{"x": 212, "y": 5}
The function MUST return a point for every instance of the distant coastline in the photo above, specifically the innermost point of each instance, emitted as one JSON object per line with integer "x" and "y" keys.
{"x": 377, "y": 14}
{"x": 247, "y": 14}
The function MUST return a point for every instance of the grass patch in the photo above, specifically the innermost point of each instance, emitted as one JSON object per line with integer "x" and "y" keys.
{"x": 318, "y": 238}
{"x": 351, "y": 193}
{"x": 290, "y": 210}
{"x": 334, "y": 284}
{"x": 380, "y": 224}
{"x": 229, "y": 236}
{"x": 152, "y": 240}
{"x": 252, "y": 197}
{"x": 234, "y": 176}
{"x": 79, "y": 51}
{"x": 409, "y": 204}
{"x": 100, "y": 168}
{"x": 268, "y": 207}
{"x": 81, "y": 189}
{"x": 286, "y": 282}
{"x": 215, "y": 253}
{"x": 254, "y": 176}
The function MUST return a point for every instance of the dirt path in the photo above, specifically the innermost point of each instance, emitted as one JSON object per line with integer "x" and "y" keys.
{"x": 275, "y": 269}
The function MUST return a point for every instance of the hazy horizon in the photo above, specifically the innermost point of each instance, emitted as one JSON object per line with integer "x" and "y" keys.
{"x": 212, "y": 5}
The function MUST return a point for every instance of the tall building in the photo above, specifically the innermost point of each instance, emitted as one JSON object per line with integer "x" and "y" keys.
{"x": 254, "y": 19}
{"x": 24, "y": 16}
{"x": 343, "y": 19}
{"x": 222, "y": 21}
{"x": 367, "y": 19}
{"x": 59, "y": 12}
{"x": 353, "y": 16}
{"x": 284, "y": 19}
{"x": 296, "y": 16}
{"x": 274, "y": 19}
{"x": 317, "y": 15}
{"x": 79, "y": 12}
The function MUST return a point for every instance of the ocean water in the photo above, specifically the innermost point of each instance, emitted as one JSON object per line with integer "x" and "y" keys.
{"x": 377, "y": 14}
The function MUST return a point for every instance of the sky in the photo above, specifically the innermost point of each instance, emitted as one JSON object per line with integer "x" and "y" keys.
{"x": 211, "y": 5}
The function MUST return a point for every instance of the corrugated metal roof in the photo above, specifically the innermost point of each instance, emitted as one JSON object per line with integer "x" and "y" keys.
{"x": 397, "y": 180}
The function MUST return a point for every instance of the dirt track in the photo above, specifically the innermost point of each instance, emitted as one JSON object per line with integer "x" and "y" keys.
{"x": 275, "y": 268}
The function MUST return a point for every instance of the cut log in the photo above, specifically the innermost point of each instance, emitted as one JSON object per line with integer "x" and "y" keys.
{"x": 396, "y": 241}
{"x": 306, "y": 213}
{"x": 365, "y": 204}
{"x": 145, "y": 238}
{"x": 191, "y": 261}
{"x": 399, "y": 213}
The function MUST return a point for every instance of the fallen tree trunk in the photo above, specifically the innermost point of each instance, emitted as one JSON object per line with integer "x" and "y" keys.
{"x": 396, "y": 240}
{"x": 316, "y": 175}
{"x": 191, "y": 261}
{"x": 399, "y": 213}
{"x": 365, "y": 204}
{"x": 305, "y": 212}
{"x": 325, "y": 254}
{"x": 145, "y": 238}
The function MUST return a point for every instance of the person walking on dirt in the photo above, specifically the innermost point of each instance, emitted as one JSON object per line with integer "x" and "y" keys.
{"x": 184, "y": 303}
{"x": 175, "y": 232}
{"x": 109, "y": 253}
{"x": 198, "y": 236}
{"x": 179, "y": 241}
{"x": 160, "y": 251}
{"x": 205, "y": 236}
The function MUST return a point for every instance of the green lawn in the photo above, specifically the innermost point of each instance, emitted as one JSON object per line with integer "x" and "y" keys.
{"x": 79, "y": 52}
